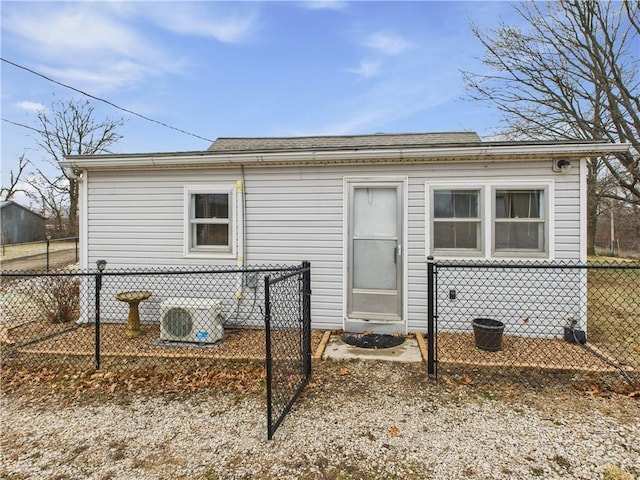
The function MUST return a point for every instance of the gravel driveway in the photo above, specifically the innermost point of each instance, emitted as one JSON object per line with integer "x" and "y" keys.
{"x": 57, "y": 259}
{"x": 357, "y": 420}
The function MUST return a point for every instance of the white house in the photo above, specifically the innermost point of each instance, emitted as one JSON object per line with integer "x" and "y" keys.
{"x": 365, "y": 210}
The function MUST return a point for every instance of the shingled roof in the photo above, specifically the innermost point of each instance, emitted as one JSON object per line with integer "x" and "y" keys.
{"x": 343, "y": 142}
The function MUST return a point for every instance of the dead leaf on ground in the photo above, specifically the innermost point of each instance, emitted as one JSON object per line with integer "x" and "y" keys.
{"x": 344, "y": 371}
{"x": 467, "y": 379}
{"x": 594, "y": 391}
{"x": 394, "y": 431}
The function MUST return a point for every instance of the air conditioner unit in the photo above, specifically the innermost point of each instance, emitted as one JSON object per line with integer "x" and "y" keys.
{"x": 190, "y": 320}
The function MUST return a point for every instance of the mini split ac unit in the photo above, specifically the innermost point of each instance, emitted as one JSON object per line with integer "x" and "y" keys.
{"x": 190, "y": 320}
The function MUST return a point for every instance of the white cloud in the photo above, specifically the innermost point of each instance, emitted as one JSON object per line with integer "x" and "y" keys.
{"x": 366, "y": 69}
{"x": 387, "y": 44}
{"x": 30, "y": 106}
{"x": 100, "y": 77}
{"x": 88, "y": 45}
{"x": 202, "y": 19}
{"x": 406, "y": 88}
{"x": 66, "y": 32}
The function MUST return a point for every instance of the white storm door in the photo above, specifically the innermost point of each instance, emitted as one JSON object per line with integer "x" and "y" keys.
{"x": 375, "y": 251}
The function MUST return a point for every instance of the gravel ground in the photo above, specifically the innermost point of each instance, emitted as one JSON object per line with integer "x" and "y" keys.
{"x": 356, "y": 420}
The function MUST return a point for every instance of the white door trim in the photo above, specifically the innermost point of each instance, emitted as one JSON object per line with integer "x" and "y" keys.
{"x": 385, "y": 327}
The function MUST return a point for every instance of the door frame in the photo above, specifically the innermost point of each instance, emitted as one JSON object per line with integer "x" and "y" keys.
{"x": 355, "y": 325}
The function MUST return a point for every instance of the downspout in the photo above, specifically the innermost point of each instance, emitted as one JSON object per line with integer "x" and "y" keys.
{"x": 83, "y": 234}
{"x": 83, "y": 220}
{"x": 240, "y": 230}
{"x": 239, "y": 239}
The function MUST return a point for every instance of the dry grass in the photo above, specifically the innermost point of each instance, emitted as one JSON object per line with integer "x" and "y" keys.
{"x": 613, "y": 305}
{"x": 20, "y": 250}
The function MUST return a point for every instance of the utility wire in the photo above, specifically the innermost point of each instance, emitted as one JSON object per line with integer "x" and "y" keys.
{"x": 102, "y": 100}
{"x": 41, "y": 132}
{"x": 22, "y": 125}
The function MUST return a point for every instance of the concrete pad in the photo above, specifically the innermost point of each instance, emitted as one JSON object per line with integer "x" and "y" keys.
{"x": 336, "y": 349}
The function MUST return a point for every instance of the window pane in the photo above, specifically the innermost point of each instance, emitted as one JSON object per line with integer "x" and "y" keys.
{"x": 519, "y": 204}
{"x": 211, "y": 205}
{"x": 456, "y": 235}
{"x": 375, "y": 212}
{"x": 466, "y": 204}
{"x": 212, "y": 234}
{"x": 374, "y": 264}
{"x": 520, "y": 235}
{"x": 455, "y": 204}
{"x": 443, "y": 204}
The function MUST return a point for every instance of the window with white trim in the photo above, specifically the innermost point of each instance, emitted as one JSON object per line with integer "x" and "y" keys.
{"x": 457, "y": 223}
{"x": 210, "y": 221}
{"x": 489, "y": 219}
{"x": 519, "y": 221}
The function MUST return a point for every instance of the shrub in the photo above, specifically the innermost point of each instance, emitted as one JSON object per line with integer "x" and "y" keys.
{"x": 57, "y": 298}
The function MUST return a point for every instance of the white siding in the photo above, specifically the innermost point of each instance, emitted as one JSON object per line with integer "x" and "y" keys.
{"x": 135, "y": 219}
{"x": 530, "y": 302}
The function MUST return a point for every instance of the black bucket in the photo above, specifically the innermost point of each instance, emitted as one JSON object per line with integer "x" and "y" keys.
{"x": 488, "y": 334}
{"x": 572, "y": 335}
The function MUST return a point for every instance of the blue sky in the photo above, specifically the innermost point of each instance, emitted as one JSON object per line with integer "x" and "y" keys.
{"x": 244, "y": 68}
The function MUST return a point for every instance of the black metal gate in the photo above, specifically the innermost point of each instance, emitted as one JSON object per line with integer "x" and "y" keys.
{"x": 288, "y": 341}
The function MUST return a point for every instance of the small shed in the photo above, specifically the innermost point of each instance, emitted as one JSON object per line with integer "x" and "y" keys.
{"x": 365, "y": 210}
{"x": 19, "y": 224}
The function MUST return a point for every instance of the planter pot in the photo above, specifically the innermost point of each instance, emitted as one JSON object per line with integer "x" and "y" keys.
{"x": 572, "y": 335}
{"x": 488, "y": 334}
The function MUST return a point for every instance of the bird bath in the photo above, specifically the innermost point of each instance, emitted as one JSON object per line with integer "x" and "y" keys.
{"x": 133, "y": 321}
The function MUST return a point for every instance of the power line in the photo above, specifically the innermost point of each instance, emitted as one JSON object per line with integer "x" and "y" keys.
{"x": 22, "y": 125}
{"x": 42, "y": 132}
{"x": 102, "y": 100}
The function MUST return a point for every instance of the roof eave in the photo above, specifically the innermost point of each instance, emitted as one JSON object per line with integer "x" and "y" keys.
{"x": 463, "y": 153}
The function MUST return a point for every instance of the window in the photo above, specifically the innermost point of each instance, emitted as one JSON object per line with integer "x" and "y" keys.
{"x": 209, "y": 214}
{"x": 490, "y": 219}
{"x": 456, "y": 220}
{"x": 519, "y": 221}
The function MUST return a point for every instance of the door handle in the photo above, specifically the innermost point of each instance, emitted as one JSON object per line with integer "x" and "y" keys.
{"x": 397, "y": 252}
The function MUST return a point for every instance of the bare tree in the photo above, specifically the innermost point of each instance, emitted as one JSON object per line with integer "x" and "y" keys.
{"x": 569, "y": 73}
{"x": 16, "y": 178}
{"x": 70, "y": 129}
{"x": 52, "y": 196}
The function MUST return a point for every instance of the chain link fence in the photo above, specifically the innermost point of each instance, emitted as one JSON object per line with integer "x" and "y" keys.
{"x": 288, "y": 330}
{"x": 45, "y": 255}
{"x": 551, "y": 317}
{"x": 124, "y": 320}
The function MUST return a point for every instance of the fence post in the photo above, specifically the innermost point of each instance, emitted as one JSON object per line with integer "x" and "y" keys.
{"x": 101, "y": 264}
{"x": 267, "y": 334}
{"x": 431, "y": 361}
{"x": 306, "y": 317}
{"x": 48, "y": 241}
{"x": 77, "y": 249}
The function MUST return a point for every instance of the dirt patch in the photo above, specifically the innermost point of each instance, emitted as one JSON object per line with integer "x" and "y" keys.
{"x": 36, "y": 340}
{"x": 553, "y": 354}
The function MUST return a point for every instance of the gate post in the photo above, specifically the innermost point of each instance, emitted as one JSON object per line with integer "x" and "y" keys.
{"x": 306, "y": 315}
{"x": 268, "y": 359}
{"x": 431, "y": 280}
{"x": 101, "y": 265}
